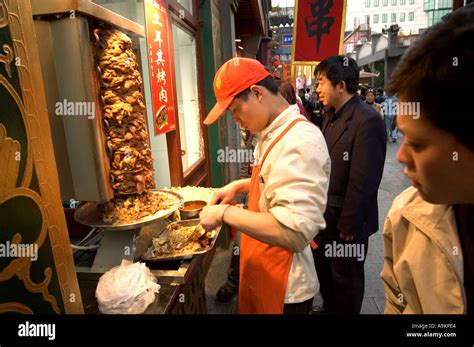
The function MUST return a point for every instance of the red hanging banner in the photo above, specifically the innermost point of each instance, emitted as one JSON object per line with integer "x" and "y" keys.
{"x": 319, "y": 30}
{"x": 160, "y": 44}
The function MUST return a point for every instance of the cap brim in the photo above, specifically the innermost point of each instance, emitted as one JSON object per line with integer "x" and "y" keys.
{"x": 217, "y": 111}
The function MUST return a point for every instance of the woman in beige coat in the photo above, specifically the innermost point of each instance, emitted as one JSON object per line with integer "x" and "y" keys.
{"x": 429, "y": 231}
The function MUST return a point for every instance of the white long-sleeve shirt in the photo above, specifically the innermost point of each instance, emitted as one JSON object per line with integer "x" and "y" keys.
{"x": 294, "y": 190}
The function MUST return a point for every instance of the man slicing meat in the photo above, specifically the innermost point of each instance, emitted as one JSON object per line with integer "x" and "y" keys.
{"x": 287, "y": 192}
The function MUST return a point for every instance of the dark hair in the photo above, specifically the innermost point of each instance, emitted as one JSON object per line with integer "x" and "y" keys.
{"x": 440, "y": 64}
{"x": 380, "y": 91}
{"x": 340, "y": 68}
{"x": 268, "y": 82}
{"x": 307, "y": 90}
{"x": 370, "y": 91}
{"x": 287, "y": 91}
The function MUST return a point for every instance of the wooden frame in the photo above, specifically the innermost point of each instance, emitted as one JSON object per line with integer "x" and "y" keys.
{"x": 199, "y": 173}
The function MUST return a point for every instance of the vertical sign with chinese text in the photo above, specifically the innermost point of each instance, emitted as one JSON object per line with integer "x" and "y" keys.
{"x": 159, "y": 45}
{"x": 319, "y": 30}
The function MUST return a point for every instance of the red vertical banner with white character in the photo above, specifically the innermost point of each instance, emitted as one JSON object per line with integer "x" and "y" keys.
{"x": 318, "y": 30}
{"x": 160, "y": 44}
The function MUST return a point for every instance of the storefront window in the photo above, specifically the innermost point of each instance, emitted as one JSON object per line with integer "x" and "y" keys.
{"x": 185, "y": 56}
{"x": 187, "y": 4}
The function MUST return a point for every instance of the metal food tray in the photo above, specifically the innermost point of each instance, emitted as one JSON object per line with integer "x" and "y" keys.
{"x": 147, "y": 256}
{"x": 88, "y": 214}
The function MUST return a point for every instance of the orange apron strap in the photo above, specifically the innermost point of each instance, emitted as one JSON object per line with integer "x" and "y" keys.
{"x": 288, "y": 128}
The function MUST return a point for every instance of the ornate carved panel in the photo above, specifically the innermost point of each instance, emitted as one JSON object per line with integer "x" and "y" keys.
{"x": 37, "y": 273}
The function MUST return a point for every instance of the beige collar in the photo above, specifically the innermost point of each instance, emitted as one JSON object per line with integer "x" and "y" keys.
{"x": 279, "y": 121}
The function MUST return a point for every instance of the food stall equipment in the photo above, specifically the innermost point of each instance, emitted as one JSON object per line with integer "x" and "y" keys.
{"x": 69, "y": 73}
{"x": 119, "y": 240}
{"x": 70, "y": 77}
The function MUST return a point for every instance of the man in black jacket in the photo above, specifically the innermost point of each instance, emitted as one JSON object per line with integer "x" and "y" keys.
{"x": 356, "y": 139}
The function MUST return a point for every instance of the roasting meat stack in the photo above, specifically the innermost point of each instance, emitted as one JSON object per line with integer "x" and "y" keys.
{"x": 123, "y": 113}
{"x": 131, "y": 162}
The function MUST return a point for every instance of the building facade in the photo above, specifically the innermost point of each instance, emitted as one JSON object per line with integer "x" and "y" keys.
{"x": 410, "y": 15}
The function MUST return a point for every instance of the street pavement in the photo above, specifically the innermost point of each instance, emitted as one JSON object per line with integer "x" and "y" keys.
{"x": 393, "y": 182}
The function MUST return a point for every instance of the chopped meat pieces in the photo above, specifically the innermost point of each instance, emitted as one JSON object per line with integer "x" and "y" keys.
{"x": 124, "y": 117}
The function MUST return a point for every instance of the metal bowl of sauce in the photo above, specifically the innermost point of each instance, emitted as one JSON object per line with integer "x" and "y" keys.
{"x": 191, "y": 209}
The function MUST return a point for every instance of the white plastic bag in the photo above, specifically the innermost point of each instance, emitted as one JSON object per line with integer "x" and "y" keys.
{"x": 126, "y": 289}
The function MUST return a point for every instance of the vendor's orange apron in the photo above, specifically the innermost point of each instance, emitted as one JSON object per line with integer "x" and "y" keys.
{"x": 264, "y": 269}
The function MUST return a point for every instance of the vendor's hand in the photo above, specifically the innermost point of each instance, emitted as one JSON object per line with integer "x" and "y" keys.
{"x": 226, "y": 194}
{"x": 345, "y": 236}
{"x": 211, "y": 216}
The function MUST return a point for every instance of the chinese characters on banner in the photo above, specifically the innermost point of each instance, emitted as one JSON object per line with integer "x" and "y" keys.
{"x": 161, "y": 79}
{"x": 319, "y": 30}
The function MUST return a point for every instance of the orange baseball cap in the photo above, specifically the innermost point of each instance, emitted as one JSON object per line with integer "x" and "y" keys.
{"x": 232, "y": 78}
